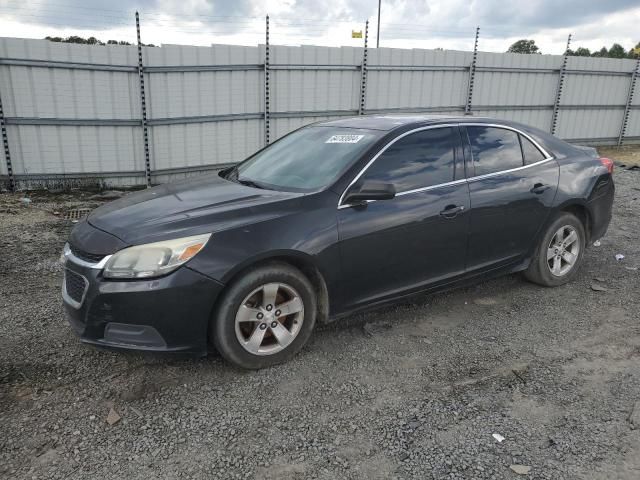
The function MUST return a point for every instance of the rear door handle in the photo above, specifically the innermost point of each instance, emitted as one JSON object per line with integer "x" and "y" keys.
{"x": 452, "y": 211}
{"x": 539, "y": 188}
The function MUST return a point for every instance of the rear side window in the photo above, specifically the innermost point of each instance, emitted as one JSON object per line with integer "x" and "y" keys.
{"x": 494, "y": 149}
{"x": 419, "y": 160}
{"x": 530, "y": 152}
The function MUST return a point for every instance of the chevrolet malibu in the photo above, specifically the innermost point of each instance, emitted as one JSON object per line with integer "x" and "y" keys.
{"x": 331, "y": 219}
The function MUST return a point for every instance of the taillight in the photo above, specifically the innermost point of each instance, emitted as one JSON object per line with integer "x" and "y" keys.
{"x": 608, "y": 163}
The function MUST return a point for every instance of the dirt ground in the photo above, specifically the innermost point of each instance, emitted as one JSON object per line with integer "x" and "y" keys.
{"x": 411, "y": 391}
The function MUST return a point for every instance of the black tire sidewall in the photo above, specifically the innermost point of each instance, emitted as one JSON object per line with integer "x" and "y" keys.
{"x": 545, "y": 275}
{"x": 222, "y": 329}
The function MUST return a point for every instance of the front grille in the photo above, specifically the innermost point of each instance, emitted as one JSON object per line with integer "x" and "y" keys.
{"x": 86, "y": 256}
{"x": 75, "y": 285}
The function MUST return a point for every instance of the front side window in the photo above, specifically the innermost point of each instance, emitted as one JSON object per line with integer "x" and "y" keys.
{"x": 419, "y": 160}
{"x": 494, "y": 149}
{"x": 530, "y": 152}
{"x": 306, "y": 160}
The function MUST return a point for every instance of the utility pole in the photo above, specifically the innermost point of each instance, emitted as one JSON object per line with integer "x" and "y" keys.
{"x": 378, "y": 31}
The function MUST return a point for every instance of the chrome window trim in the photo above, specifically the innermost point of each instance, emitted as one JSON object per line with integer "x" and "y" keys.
{"x": 65, "y": 295}
{"x": 68, "y": 255}
{"x": 502, "y": 172}
{"x": 547, "y": 158}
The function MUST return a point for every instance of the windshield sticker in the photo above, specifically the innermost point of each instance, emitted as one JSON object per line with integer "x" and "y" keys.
{"x": 345, "y": 139}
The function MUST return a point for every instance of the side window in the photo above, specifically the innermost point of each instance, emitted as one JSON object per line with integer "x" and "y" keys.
{"x": 419, "y": 160}
{"x": 530, "y": 151}
{"x": 494, "y": 149}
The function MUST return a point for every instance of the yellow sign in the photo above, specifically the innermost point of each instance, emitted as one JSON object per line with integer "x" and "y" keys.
{"x": 355, "y": 34}
{"x": 636, "y": 50}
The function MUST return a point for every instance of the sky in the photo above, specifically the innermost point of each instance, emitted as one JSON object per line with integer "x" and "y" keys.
{"x": 448, "y": 24}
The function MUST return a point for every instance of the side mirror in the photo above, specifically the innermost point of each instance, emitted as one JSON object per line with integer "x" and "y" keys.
{"x": 369, "y": 190}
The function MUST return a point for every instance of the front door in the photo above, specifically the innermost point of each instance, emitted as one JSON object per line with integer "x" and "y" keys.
{"x": 420, "y": 236}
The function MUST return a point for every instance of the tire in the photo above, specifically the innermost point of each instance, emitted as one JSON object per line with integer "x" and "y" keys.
{"x": 248, "y": 335}
{"x": 546, "y": 272}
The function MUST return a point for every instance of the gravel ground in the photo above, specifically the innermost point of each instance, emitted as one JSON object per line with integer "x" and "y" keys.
{"x": 412, "y": 391}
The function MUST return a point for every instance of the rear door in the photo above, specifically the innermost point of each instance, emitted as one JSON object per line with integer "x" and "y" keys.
{"x": 512, "y": 184}
{"x": 418, "y": 237}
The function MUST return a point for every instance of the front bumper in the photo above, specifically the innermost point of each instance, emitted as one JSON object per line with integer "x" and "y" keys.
{"x": 167, "y": 314}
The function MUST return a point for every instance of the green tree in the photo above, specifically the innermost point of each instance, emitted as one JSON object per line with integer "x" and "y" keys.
{"x": 617, "y": 51}
{"x": 524, "y": 46}
{"x": 603, "y": 52}
{"x": 91, "y": 41}
{"x": 582, "y": 52}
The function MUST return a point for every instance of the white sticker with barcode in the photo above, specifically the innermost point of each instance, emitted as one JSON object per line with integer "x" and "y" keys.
{"x": 345, "y": 139}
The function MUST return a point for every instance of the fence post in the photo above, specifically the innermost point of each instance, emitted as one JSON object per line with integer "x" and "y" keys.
{"x": 267, "y": 110}
{"x": 472, "y": 74}
{"x": 7, "y": 154}
{"x": 556, "y": 103}
{"x": 143, "y": 102}
{"x": 627, "y": 107}
{"x": 363, "y": 71}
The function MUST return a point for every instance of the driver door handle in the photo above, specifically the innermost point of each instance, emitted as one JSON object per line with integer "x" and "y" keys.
{"x": 539, "y": 188}
{"x": 452, "y": 211}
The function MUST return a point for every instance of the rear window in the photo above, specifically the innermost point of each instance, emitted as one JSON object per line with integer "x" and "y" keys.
{"x": 494, "y": 149}
{"x": 530, "y": 152}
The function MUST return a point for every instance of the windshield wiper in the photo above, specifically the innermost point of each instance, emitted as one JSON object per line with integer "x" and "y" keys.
{"x": 249, "y": 183}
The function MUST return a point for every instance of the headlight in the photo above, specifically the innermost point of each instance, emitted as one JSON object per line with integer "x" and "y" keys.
{"x": 154, "y": 259}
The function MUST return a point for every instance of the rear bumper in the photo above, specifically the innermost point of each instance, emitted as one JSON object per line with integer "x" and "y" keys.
{"x": 168, "y": 314}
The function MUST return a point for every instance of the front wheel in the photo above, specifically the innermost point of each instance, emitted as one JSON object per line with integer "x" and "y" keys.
{"x": 559, "y": 253}
{"x": 265, "y": 317}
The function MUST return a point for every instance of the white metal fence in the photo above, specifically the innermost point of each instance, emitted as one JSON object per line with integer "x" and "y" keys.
{"x": 73, "y": 113}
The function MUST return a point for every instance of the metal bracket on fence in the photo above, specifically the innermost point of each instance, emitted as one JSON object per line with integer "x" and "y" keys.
{"x": 363, "y": 71}
{"x": 627, "y": 107}
{"x": 472, "y": 74}
{"x": 5, "y": 143}
{"x": 563, "y": 74}
{"x": 267, "y": 109}
{"x": 143, "y": 102}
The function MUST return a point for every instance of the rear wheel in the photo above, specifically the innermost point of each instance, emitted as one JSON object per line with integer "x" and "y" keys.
{"x": 265, "y": 317}
{"x": 559, "y": 253}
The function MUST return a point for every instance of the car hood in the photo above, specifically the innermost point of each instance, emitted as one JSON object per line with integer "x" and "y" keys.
{"x": 190, "y": 207}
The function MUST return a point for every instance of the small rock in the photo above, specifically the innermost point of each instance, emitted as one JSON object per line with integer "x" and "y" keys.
{"x": 598, "y": 288}
{"x": 485, "y": 301}
{"x": 634, "y": 417}
{"x": 370, "y": 329}
{"x": 520, "y": 469}
{"x": 599, "y": 279}
{"x": 498, "y": 437}
{"x": 113, "y": 417}
{"x": 25, "y": 201}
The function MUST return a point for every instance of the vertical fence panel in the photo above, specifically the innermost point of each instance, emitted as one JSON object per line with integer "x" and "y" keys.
{"x": 6, "y": 161}
{"x": 363, "y": 71}
{"x": 629, "y": 102}
{"x": 472, "y": 74}
{"x": 561, "y": 77}
{"x": 267, "y": 99}
{"x": 143, "y": 107}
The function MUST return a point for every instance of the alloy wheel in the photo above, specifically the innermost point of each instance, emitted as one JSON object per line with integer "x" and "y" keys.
{"x": 563, "y": 251}
{"x": 269, "y": 319}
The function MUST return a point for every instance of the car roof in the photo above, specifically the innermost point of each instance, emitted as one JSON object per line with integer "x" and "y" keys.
{"x": 391, "y": 122}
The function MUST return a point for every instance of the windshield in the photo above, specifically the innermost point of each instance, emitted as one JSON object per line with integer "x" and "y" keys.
{"x": 306, "y": 160}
